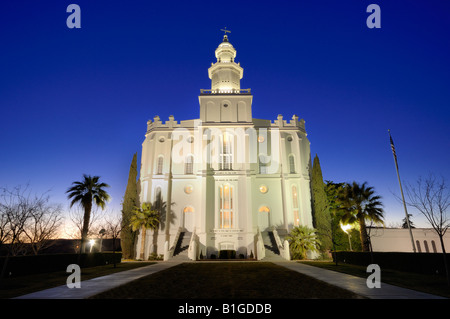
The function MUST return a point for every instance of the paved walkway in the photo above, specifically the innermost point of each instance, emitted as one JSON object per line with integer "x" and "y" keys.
{"x": 355, "y": 284}
{"x": 97, "y": 285}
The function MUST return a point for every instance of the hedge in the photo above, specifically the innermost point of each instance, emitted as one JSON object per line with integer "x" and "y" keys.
{"x": 424, "y": 263}
{"x": 33, "y": 264}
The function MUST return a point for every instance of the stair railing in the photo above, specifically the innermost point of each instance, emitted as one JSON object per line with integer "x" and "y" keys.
{"x": 193, "y": 246}
{"x": 260, "y": 249}
{"x": 168, "y": 252}
{"x": 283, "y": 247}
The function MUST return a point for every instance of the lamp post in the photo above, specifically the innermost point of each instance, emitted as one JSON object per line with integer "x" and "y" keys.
{"x": 101, "y": 233}
{"x": 346, "y": 228}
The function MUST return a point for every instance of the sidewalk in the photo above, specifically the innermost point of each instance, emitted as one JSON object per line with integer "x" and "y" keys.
{"x": 97, "y": 285}
{"x": 356, "y": 284}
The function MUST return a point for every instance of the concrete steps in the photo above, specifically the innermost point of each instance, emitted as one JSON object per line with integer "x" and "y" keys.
{"x": 181, "y": 249}
{"x": 272, "y": 251}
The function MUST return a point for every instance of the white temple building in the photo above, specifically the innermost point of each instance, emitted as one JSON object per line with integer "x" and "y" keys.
{"x": 232, "y": 183}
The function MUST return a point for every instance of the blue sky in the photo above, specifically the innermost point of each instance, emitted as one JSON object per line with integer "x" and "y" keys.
{"x": 76, "y": 101}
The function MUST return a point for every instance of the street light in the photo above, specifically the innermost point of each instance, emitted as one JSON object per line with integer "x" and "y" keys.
{"x": 91, "y": 242}
{"x": 346, "y": 228}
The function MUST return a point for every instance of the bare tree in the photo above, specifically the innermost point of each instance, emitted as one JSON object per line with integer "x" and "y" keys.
{"x": 16, "y": 207}
{"x": 113, "y": 227}
{"x": 43, "y": 225}
{"x": 76, "y": 222}
{"x": 431, "y": 197}
{"x": 25, "y": 220}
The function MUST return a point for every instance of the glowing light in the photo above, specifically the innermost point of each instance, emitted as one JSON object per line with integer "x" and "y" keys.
{"x": 346, "y": 227}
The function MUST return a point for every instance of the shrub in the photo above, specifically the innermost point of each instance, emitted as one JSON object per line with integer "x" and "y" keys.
{"x": 424, "y": 263}
{"x": 33, "y": 264}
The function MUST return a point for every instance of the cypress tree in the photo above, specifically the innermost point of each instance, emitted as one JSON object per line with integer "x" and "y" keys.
{"x": 321, "y": 213}
{"x": 130, "y": 200}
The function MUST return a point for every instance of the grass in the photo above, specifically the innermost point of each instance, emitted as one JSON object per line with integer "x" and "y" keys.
{"x": 17, "y": 286}
{"x": 432, "y": 284}
{"x": 226, "y": 280}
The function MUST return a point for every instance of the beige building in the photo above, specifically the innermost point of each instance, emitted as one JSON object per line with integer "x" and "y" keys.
{"x": 399, "y": 240}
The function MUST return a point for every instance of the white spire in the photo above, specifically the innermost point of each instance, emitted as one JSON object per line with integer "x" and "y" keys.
{"x": 225, "y": 74}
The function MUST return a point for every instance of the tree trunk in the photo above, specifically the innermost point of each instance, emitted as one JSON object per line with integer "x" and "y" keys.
{"x": 114, "y": 251}
{"x": 445, "y": 259}
{"x": 363, "y": 235}
{"x": 86, "y": 220}
{"x": 142, "y": 242}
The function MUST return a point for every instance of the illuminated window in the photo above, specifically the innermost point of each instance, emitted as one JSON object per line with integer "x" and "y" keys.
{"x": 188, "y": 209}
{"x": 225, "y": 206}
{"x": 225, "y": 152}
{"x": 159, "y": 169}
{"x": 295, "y": 206}
{"x": 291, "y": 164}
{"x": 263, "y": 189}
{"x": 264, "y": 209}
{"x": 188, "y": 189}
{"x": 189, "y": 165}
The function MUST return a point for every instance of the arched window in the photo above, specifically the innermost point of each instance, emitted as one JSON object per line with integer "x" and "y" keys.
{"x": 189, "y": 165}
{"x": 263, "y": 163}
{"x": 433, "y": 244}
{"x": 226, "y": 154}
{"x": 264, "y": 209}
{"x": 418, "y": 246}
{"x": 159, "y": 168}
{"x": 188, "y": 218}
{"x": 158, "y": 198}
{"x": 188, "y": 209}
{"x": 291, "y": 164}
{"x": 426, "y": 246}
{"x": 226, "y": 206}
{"x": 295, "y": 206}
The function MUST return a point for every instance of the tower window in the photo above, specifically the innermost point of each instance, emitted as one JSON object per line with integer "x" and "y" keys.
{"x": 263, "y": 163}
{"x": 226, "y": 153}
{"x": 295, "y": 206}
{"x": 291, "y": 164}
{"x": 226, "y": 206}
{"x": 189, "y": 165}
{"x": 159, "y": 169}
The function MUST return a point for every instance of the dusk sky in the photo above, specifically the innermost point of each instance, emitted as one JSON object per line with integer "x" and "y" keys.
{"x": 77, "y": 101}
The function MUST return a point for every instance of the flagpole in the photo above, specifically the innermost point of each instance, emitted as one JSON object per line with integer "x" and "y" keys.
{"x": 401, "y": 191}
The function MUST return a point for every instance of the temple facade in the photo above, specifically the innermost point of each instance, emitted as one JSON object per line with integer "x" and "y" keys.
{"x": 225, "y": 183}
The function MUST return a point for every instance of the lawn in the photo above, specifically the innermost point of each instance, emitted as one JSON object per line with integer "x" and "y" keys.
{"x": 431, "y": 284}
{"x": 226, "y": 280}
{"x": 17, "y": 286}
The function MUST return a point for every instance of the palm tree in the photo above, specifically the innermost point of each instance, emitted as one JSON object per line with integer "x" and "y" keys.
{"x": 144, "y": 218}
{"x": 301, "y": 240}
{"x": 358, "y": 204}
{"x": 84, "y": 193}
